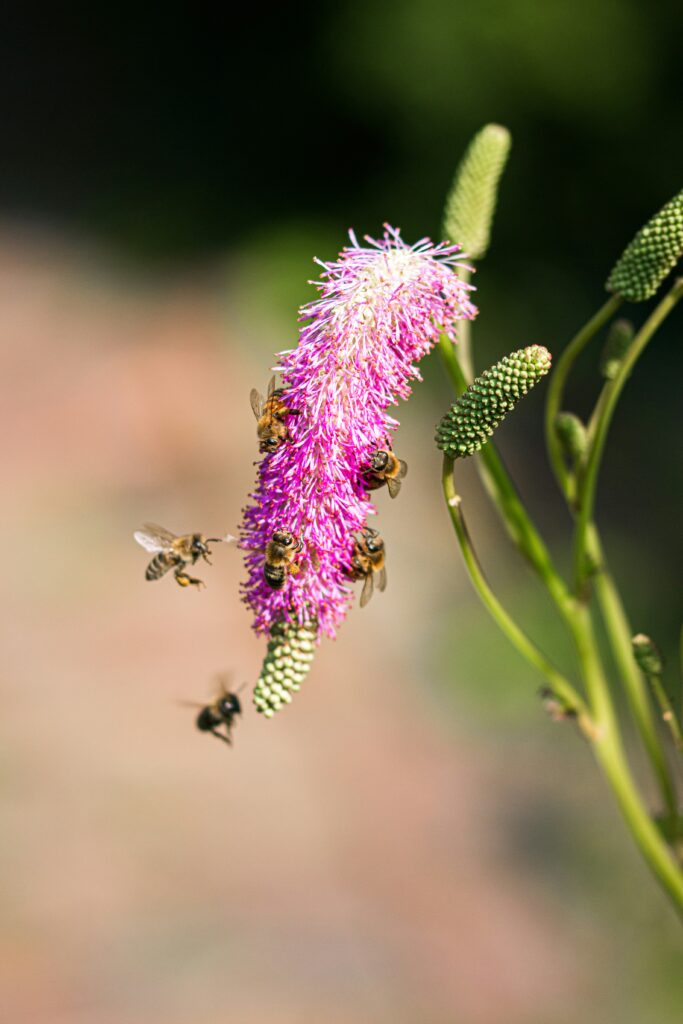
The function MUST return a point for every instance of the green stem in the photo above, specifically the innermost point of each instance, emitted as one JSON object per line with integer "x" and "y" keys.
{"x": 561, "y": 686}
{"x": 609, "y": 752}
{"x": 506, "y": 497}
{"x": 668, "y": 714}
{"x": 598, "y": 722}
{"x": 612, "y": 392}
{"x": 465, "y": 335}
{"x": 619, "y": 634}
{"x": 556, "y": 386}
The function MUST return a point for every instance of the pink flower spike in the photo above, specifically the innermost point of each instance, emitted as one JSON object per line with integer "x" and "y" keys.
{"x": 380, "y": 309}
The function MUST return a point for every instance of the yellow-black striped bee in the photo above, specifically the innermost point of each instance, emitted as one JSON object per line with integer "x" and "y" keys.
{"x": 281, "y": 552}
{"x": 220, "y": 712}
{"x": 270, "y": 412}
{"x": 385, "y": 468}
{"x": 172, "y": 552}
{"x": 368, "y": 558}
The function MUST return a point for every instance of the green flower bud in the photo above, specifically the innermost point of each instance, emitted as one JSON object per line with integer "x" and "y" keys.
{"x": 654, "y": 251}
{"x": 287, "y": 662}
{"x": 469, "y": 423}
{"x": 647, "y": 655}
{"x": 472, "y": 200}
{"x": 572, "y": 435}
{"x": 619, "y": 338}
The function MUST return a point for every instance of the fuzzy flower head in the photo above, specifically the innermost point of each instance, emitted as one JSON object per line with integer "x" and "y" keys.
{"x": 381, "y": 308}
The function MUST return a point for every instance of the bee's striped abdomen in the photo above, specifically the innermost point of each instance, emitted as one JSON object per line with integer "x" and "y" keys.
{"x": 160, "y": 564}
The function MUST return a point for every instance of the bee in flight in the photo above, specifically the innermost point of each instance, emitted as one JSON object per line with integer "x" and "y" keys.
{"x": 385, "y": 468}
{"x": 172, "y": 552}
{"x": 281, "y": 550}
{"x": 222, "y": 711}
{"x": 368, "y": 558}
{"x": 270, "y": 413}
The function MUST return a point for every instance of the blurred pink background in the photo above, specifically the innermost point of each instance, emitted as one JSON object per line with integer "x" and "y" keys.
{"x": 389, "y": 848}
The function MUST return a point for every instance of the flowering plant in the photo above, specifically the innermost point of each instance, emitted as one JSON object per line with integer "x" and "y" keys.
{"x": 381, "y": 308}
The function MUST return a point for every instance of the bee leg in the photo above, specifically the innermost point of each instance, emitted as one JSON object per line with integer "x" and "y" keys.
{"x": 206, "y": 558}
{"x": 221, "y": 736}
{"x": 183, "y": 580}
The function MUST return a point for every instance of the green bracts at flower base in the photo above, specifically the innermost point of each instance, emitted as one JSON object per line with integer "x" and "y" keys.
{"x": 469, "y": 423}
{"x": 652, "y": 254}
{"x": 287, "y": 662}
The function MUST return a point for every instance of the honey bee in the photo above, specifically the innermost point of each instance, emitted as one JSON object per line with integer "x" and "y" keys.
{"x": 271, "y": 429}
{"x": 368, "y": 558}
{"x": 281, "y": 551}
{"x": 172, "y": 552}
{"x": 220, "y": 712}
{"x": 385, "y": 468}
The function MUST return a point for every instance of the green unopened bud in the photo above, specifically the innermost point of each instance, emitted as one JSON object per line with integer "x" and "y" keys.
{"x": 654, "y": 251}
{"x": 619, "y": 338}
{"x": 472, "y": 200}
{"x": 287, "y": 662}
{"x": 647, "y": 655}
{"x": 469, "y": 423}
{"x": 571, "y": 433}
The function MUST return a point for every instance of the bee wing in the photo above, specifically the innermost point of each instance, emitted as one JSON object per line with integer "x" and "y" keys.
{"x": 315, "y": 559}
{"x": 403, "y": 469}
{"x": 382, "y": 583}
{"x": 257, "y": 402}
{"x": 367, "y": 590}
{"x": 189, "y": 704}
{"x": 223, "y": 683}
{"x": 271, "y": 387}
{"x": 154, "y": 538}
{"x": 393, "y": 486}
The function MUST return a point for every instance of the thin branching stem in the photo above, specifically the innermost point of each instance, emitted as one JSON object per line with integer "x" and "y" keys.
{"x": 613, "y": 389}
{"x": 558, "y": 380}
{"x": 559, "y": 684}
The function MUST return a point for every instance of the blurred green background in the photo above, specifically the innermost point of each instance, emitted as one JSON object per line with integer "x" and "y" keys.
{"x": 412, "y": 840}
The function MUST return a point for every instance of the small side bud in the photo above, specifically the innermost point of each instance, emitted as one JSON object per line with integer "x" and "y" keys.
{"x": 287, "y": 663}
{"x": 652, "y": 254}
{"x": 571, "y": 433}
{"x": 647, "y": 655}
{"x": 471, "y": 201}
{"x": 555, "y": 708}
{"x": 619, "y": 338}
{"x": 469, "y": 423}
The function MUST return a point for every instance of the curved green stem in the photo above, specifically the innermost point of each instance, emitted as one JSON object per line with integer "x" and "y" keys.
{"x": 506, "y": 497}
{"x": 597, "y": 721}
{"x": 667, "y": 711}
{"x": 612, "y": 392}
{"x": 465, "y": 336}
{"x": 608, "y": 749}
{"x": 561, "y": 686}
{"x": 558, "y": 379}
{"x": 619, "y": 634}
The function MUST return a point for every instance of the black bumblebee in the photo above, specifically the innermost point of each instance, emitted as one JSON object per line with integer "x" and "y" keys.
{"x": 220, "y": 712}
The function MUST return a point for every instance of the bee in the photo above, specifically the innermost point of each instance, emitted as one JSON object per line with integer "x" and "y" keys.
{"x": 271, "y": 429}
{"x": 220, "y": 712}
{"x": 368, "y": 558}
{"x": 171, "y": 552}
{"x": 385, "y": 468}
{"x": 281, "y": 551}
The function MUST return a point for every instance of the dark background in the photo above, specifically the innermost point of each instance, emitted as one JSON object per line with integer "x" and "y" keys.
{"x": 174, "y": 136}
{"x": 413, "y": 840}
